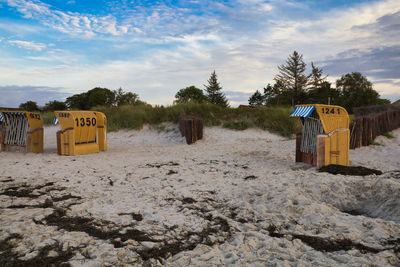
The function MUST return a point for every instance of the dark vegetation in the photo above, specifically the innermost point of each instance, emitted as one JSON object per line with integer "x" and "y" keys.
{"x": 349, "y": 170}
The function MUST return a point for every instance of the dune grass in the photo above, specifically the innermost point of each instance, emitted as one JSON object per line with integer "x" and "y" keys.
{"x": 388, "y": 135}
{"x": 274, "y": 119}
{"x": 241, "y": 124}
{"x": 48, "y": 117}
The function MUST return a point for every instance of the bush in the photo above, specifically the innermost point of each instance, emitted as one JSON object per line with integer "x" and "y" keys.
{"x": 274, "y": 119}
{"x": 241, "y": 124}
{"x": 48, "y": 118}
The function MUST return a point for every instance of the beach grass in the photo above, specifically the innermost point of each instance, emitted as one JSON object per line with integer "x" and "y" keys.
{"x": 388, "y": 135}
{"x": 273, "y": 119}
{"x": 241, "y": 124}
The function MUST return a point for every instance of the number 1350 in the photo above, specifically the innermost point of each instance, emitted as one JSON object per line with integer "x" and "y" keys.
{"x": 88, "y": 122}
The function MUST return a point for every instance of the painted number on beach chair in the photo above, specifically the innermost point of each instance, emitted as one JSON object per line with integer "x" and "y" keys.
{"x": 81, "y": 122}
{"x": 34, "y": 116}
{"x": 330, "y": 110}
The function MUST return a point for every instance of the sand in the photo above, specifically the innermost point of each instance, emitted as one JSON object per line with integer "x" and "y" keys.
{"x": 234, "y": 198}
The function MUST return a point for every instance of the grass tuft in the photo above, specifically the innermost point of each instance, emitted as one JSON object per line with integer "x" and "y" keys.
{"x": 374, "y": 143}
{"x": 241, "y": 124}
{"x": 388, "y": 135}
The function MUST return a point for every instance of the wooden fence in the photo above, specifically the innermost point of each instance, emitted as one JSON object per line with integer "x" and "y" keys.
{"x": 370, "y": 122}
{"x": 191, "y": 127}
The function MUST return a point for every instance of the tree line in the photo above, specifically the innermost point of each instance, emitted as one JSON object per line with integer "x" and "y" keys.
{"x": 95, "y": 97}
{"x": 106, "y": 97}
{"x": 292, "y": 86}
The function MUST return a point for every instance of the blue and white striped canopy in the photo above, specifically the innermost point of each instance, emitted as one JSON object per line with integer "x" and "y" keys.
{"x": 7, "y": 116}
{"x": 303, "y": 111}
{"x": 1, "y": 117}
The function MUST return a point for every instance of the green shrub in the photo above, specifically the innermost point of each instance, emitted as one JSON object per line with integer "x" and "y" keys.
{"x": 48, "y": 117}
{"x": 276, "y": 119}
{"x": 241, "y": 124}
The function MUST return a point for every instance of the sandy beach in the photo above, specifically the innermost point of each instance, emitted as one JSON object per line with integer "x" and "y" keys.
{"x": 234, "y": 198}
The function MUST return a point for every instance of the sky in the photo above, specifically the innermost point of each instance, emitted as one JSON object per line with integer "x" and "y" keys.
{"x": 51, "y": 49}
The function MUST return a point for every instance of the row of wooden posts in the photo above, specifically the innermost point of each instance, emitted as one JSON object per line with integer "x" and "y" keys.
{"x": 191, "y": 128}
{"x": 370, "y": 122}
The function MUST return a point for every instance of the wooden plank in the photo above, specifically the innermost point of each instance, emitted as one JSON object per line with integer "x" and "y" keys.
{"x": 299, "y": 156}
{"x": 58, "y": 142}
{"x": 2, "y": 139}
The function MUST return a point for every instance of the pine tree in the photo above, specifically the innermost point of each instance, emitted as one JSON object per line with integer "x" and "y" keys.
{"x": 316, "y": 78}
{"x": 292, "y": 77}
{"x": 257, "y": 99}
{"x": 213, "y": 92}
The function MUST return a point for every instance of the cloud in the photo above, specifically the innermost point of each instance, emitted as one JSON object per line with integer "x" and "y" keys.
{"x": 385, "y": 28}
{"x": 28, "y": 45}
{"x": 18, "y": 28}
{"x": 392, "y": 97}
{"x": 20, "y": 94}
{"x": 237, "y": 97}
{"x": 379, "y": 63}
{"x": 68, "y": 22}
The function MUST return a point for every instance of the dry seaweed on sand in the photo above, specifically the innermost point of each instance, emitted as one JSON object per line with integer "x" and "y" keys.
{"x": 349, "y": 170}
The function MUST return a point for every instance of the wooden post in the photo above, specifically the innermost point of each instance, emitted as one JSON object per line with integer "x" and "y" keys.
{"x": 299, "y": 157}
{"x": 28, "y": 143}
{"x": 191, "y": 127}
{"x": 59, "y": 142}
{"x": 320, "y": 151}
{"x": 2, "y": 139}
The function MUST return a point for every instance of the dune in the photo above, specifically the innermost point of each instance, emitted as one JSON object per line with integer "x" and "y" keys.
{"x": 232, "y": 198}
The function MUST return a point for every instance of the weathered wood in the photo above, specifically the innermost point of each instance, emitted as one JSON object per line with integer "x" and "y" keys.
{"x": 191, "y": 127}
{"x": 320, "y": 150}
{"x": 371, "y": 122}
{"x": 58, "y": 134}
{"x": 2, "y": 138}
{"x": 298, "y": 145}
{"x": 309, "y": 158}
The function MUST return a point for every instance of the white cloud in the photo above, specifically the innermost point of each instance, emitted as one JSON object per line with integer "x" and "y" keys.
{"x": 28, "y": 45}
{"x": 70, "y": 22}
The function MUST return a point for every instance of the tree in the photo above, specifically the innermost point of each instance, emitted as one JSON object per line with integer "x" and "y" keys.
{"x": 100, "y": 97}
{"x": 29, "y": 106}
{"x": 77, "y": 101}
{"x": 293, "y": 78}
{"x": 316, "y": 79}
{"x": 257, "y": 99}
{"x": 213, "y": 90}
{"x": 94, "y": 97}
{"x": 324, "y": 94}
{"x": 357, "y": 91}
{"x": 190, "y": 93}
{"x": 126, "y": 98}
{"x": 274, "y": 95}
{"x": 55, "y": 105}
